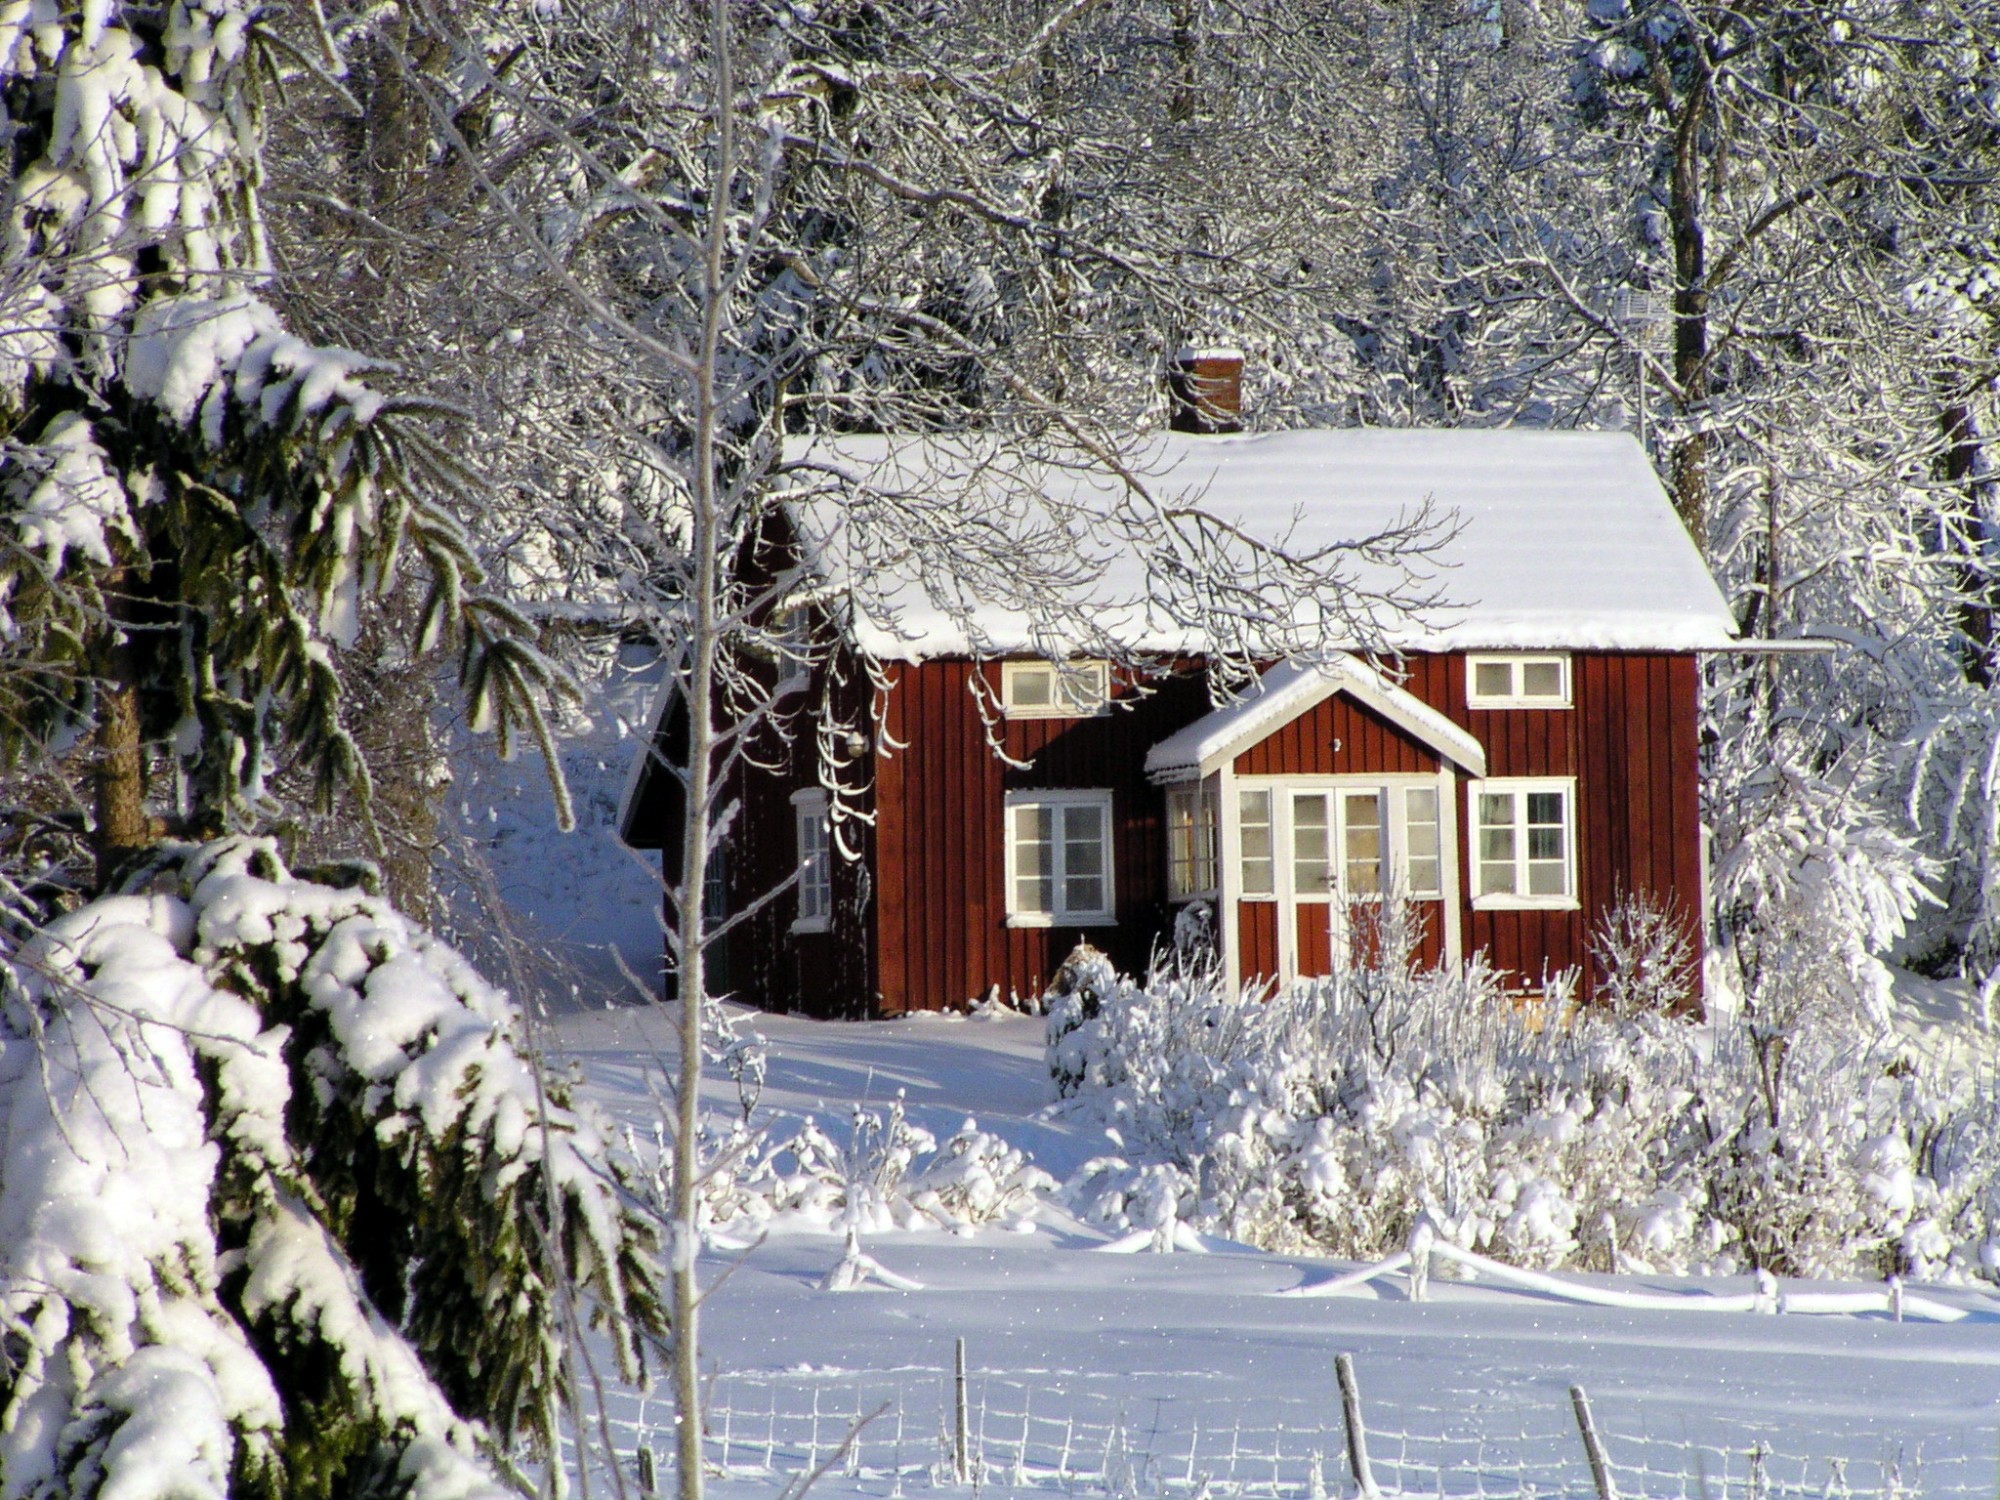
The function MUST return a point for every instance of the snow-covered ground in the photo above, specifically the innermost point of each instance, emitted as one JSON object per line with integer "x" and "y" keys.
{"x": 1145, "y": 1374}
{"x": 1152, "y": 1373}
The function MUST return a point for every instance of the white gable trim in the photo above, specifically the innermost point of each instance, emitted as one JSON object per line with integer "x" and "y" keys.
{"x": 1282, "y": 695}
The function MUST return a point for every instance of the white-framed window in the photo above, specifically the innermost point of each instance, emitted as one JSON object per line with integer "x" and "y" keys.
{"x": 815, "y": 849}
{"x": 1538, "y": 681}
{"x": 1190, "y": 842}
{"x": 1044, "y": 690}
{"x": 1059, "y": 858}
{"x": 1524, "y": 842}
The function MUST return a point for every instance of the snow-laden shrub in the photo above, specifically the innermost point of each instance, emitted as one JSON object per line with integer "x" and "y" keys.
{"x": 1335, "y": 1115}
{"x": 284, "y": 1209}
{"x": 889, "y": 1174}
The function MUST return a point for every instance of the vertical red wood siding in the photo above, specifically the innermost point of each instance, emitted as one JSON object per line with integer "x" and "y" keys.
{"x": 921, "y": 923}
{"x": 940, "y": 876}
{"x": 1257, "y": 931}
{"x": 1630, "y": 740}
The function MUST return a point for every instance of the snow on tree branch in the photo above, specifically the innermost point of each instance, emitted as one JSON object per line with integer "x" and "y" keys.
{"x": 259, "y": 1135}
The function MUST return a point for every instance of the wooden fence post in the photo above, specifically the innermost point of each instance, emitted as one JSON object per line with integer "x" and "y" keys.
{"x": 1593, "y": 1445}
{"x": 1357, "y": 1435}
{"x": 961, "y": 1456}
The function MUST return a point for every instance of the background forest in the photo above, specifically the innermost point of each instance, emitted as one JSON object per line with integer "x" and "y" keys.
{"x": 1767, "y": 233}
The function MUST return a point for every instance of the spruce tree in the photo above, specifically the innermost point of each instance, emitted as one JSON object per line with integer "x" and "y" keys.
{"x": 195, "y": 504}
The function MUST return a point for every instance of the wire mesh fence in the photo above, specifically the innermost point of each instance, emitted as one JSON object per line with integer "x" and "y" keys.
{"x": 894, "y": 1433}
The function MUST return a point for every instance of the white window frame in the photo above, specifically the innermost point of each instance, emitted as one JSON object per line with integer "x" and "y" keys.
{"x": 1206, "y": 854}
{"x": 1518, "y": 787}
{"x": 812, "y": 834}
{"x": 1517, "y": 696}
{"x": 1077, "y": 689}
{"x": 1061, "y": 915}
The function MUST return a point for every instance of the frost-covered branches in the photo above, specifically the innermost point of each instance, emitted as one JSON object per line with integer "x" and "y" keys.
{"x": 285, "y": 1208}
{"x": 882, "y": 1174}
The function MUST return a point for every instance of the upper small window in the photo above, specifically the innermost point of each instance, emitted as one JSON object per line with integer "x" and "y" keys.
{"x": 1043, "y": 690}
{"x": 1517, "y": 681}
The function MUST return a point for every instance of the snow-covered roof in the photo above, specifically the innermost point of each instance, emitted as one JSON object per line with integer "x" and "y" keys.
{"x": 1565, "y": 540}
{"x": 1281, "y": 695}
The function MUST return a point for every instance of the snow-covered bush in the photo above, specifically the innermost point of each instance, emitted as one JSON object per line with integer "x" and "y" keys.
{"x": 284, "y": 1208}
{"x": 1335, "y": 1115}
{"x": 890, "y": 1174}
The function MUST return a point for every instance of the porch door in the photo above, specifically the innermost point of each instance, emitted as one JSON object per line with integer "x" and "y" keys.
{"x": 1338, "y": 841}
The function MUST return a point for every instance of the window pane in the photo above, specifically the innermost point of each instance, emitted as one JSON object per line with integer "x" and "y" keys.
{"x": 1420, "y": 832}
{"x": 1083, "y": 857}
{"x": 1085, "y": 687}
{"x": 815, "y": 865}
{"x": 1548, "y": 873}
{"x": 1310, "y": 860}
{"x": 1496, "y": 844}
{"x": 1493, "y": 679}
{"x": 1424, "y": 876}
{"x": 1190, "y": 842}
{"x": 1031, "y": 687}
{"x": 1083, "y": 841}
{"x": 1180, "y": 841}
{"x": 1034, "y": 873}
{"x": 1420, "y": 806}
{"x": 1362, "y": 812}
{"x": 1254, "y": 836}
{"x": 1545, "y": 879}
{"x": 1542, "y": 679}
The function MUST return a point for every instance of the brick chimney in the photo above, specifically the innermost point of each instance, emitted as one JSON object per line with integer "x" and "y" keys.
{"x": 1205, "y": 390}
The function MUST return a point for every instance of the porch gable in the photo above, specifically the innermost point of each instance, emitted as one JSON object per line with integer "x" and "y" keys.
{"x": 1286, "y": 693}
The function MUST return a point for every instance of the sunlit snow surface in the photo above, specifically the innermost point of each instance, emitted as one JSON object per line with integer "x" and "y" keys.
{"x": 1145, "y": 1374}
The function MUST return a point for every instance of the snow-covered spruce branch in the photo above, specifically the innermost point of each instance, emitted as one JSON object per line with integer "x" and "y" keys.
{"x": 270, "y": 1157}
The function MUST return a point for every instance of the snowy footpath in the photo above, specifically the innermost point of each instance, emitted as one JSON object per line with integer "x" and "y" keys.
{"x": 1142, "y": 1374}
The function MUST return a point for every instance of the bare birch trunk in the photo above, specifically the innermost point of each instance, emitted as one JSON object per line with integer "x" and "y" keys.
{"x": 707, "y": 537}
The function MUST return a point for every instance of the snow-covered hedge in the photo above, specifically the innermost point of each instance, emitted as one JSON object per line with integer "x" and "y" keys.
{"x": 889, "y": 1174}
{"x": 284, "y": 1208}
{"x": 1330, "y": 1117}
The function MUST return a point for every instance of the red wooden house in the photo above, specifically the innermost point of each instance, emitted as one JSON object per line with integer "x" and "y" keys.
{"x": 1521, "y": 759}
